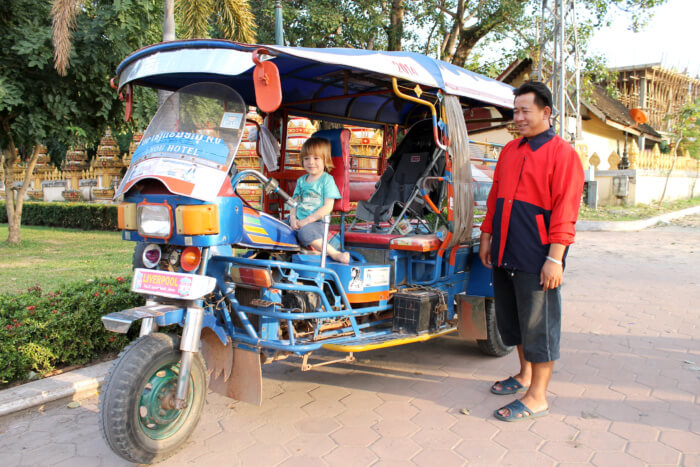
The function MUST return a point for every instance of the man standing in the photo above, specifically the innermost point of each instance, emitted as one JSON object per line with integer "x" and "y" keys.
{"x": 529, "y": 224}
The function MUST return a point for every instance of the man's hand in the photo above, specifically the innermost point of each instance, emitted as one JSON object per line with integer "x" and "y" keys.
{"x": 303, "y": 222}
{"x": 550, "y": 276}
{"x": 485, "y": 249}
{"x": 294, "y": 223}
{"x": 551, "y": 273}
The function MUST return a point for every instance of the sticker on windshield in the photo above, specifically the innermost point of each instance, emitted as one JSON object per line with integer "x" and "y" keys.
{"x": 182, "y": 143}
{"x": 231, "y": 120}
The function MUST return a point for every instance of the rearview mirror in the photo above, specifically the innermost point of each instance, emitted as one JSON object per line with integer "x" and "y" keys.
{"x": 266, "y": 79}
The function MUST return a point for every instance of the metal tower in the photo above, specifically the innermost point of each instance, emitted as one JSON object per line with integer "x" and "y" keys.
{"x": 558, "y": 65}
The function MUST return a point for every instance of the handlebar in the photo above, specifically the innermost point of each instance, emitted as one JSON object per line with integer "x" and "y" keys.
{"x": 270, "y": 185}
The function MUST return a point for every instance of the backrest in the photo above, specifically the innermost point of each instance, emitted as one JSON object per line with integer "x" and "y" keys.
{"x": 340, "y": 152}
{"x": 404, "y": 170}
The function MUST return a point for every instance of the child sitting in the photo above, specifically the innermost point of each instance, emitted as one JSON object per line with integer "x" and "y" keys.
{"x": 315, "y": 193}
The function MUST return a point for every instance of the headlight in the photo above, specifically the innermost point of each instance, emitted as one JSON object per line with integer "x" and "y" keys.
{"x": 154, "y": 220}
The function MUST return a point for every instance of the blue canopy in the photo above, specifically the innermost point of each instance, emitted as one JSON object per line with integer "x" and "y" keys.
{"x": 321, "y": 75}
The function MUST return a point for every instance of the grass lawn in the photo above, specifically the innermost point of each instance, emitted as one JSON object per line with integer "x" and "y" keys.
{"x": 52, "y": 257}
{"x": 631, "y": 213}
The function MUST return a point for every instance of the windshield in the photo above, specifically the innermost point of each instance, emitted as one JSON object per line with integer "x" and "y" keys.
{"x": 191, "y": 142}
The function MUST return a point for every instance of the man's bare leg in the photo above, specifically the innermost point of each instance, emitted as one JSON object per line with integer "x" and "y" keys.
{"x": 341, "y": 257}
{"x": 535, "y": 398}
{"x": 525, "y": 375}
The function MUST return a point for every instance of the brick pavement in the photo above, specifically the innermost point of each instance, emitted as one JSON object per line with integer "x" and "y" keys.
{"x": 624, "y": 393}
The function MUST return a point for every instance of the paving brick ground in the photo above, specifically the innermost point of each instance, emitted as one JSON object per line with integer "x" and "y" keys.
{"x": 624, "y": 393}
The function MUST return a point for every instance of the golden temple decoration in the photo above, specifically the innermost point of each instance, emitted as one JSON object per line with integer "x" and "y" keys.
{"x": 613, "y": 161}
{"x": 72, "y": 166}
{"x": 633, "y": 154}
{"x": 106, "y": 167}
{"x": 365, "y": 148}
{"x": 135, "y": 140}
{"x": 595, "y": 160}
{"x": 582, "y": 151}
{"x": 655, "y": 157}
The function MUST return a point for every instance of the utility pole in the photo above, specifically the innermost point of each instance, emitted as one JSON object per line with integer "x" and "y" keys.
{"x": 279, "y": 31}
{"x": 558, "y": 65}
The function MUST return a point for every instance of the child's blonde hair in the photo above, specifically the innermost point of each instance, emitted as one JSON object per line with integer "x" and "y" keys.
{"x": 319, "y": 147}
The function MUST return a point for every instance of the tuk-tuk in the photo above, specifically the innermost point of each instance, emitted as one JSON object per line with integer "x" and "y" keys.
{"x": 231, "y": 273}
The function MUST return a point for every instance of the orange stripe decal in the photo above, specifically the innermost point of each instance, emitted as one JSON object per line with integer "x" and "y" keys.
{"x": 368, "y": 296}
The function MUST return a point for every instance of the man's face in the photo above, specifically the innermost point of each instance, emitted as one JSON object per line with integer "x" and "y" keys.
{"x": 528, "y": 117}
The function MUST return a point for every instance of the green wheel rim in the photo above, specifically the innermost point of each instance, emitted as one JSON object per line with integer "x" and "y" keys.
{"x": 156, "y": 421}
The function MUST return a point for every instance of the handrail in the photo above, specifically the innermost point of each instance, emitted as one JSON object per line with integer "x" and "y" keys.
{"x": 417, "y": 100}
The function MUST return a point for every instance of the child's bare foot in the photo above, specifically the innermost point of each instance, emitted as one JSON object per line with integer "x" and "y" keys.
{"x": 341, "y": 257}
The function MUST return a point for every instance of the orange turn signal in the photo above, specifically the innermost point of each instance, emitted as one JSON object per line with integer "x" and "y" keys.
{"x": 190, "y": 258}
{"x": 126, "y": 216}
{"x": 199, "y": 219}
{"x": 256, "y": 277}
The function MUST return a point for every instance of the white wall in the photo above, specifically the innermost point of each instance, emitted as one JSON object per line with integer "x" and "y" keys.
{"x": 646, "y": 186}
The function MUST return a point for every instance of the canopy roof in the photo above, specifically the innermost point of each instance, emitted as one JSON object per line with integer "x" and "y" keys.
{"x": 317, "y": 74}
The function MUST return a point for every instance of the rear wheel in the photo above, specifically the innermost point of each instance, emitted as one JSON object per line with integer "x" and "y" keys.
{"x": 136, "y": 416}
{"x": 493, "y": 344}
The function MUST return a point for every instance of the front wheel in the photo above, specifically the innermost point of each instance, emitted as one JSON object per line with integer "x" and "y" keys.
{"x": 493, "y": 344}
{"x": 135, "y": 413}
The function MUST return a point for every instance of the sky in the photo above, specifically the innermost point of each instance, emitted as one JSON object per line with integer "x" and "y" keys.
{"x": 671, "y": 37}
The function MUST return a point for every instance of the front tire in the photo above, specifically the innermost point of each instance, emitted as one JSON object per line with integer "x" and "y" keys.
{"x": 493, "y": 344}
{"x": 133, "y": 419}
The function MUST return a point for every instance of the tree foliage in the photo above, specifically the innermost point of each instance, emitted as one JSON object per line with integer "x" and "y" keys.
{"x": 687, "y": 128}
{"x": 463, "y": 32}
{"x": 686, "y": 132}
{"x": 326, "y": 23}
{"x": 37, "y": 105}
{"x": 224, "y": 19}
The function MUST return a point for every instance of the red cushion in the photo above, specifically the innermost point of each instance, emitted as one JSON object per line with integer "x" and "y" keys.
{"x": 369, "y": 238}
{"x": 362, "y": 186}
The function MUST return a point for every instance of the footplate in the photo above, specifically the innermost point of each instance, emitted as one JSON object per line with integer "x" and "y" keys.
{"x": 364, "y": 344}
{"x": 120, "y": 321}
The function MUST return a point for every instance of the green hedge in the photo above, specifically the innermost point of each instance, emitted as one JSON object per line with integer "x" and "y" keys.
{"x": 40, "y": 331}
{"x": 70, "y": 215}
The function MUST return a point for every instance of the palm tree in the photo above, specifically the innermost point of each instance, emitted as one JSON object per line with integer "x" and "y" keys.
{"x": 63, "y": 14}
{"x": 233, "y": 20}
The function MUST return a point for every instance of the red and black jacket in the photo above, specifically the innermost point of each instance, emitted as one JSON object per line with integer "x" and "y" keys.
{"x": 534, "y": 201}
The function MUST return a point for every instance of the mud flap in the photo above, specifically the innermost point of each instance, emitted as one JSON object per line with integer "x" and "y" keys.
{"x": 472, "y": 317}
{"x": 233, "y": 372}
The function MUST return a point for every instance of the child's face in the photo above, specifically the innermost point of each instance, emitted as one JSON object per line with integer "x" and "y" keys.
{"x": 313, "y": 164}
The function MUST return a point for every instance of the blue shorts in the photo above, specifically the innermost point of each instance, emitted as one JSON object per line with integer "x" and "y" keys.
{"x": 309, "y": 233}
{"x": 527, "y": 315}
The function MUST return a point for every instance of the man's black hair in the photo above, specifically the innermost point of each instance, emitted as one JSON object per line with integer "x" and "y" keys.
{"x": 543, "y": 96}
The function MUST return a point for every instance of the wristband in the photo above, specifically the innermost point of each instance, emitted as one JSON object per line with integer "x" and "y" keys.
{"x": 555, "y": 261}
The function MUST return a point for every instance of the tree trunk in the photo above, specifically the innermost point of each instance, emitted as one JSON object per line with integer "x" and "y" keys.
{"x": 447, "y": 49}
{"x": 471, "y": 35}
{"x": 169, "y": 20}
{"x": 673, "y": 165}
{"x": 15, "y": 196}
{"x": 395, "y": 31}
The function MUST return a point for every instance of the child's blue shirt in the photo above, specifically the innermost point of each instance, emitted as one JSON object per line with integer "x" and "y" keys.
{"x": 311, "y": 196}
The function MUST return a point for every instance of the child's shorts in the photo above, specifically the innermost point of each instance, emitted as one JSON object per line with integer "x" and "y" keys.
{"x": 309, "y": 232}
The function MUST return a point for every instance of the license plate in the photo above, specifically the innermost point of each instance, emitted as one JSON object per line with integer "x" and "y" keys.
{"x": 171, "y": 284}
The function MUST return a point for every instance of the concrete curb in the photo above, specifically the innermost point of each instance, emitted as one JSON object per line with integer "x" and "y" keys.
{"x": 630, "y": 226}
{"x": 76, "y": 384}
